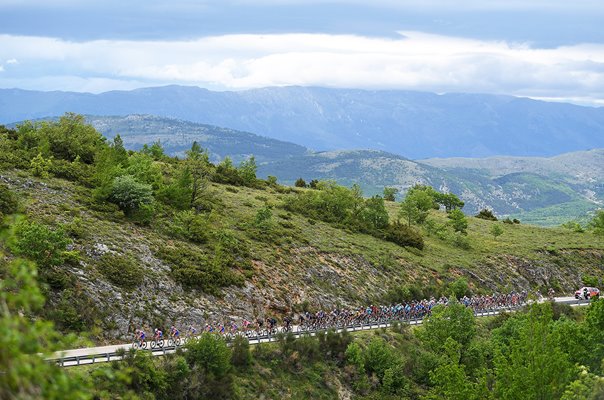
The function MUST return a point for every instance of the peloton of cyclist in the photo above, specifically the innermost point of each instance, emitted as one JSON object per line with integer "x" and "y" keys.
{"x": 141, "y": 336}
{"x": 192, "y": 331}
{"x": 174, "y": 332}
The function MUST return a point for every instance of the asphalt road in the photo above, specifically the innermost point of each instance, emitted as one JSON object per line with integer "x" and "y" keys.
{"x": 91, "y": 355}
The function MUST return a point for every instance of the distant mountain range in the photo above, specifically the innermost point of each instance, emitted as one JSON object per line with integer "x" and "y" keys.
{"x": 412, "y": 124}
{"x": 545, "y": 191}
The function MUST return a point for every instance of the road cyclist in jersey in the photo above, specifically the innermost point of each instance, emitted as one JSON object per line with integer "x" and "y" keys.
{"x": 158, "y": 339}
{"x": 139, "y": 340}
{"x": 174, "y": 337}
{"x": 191, "y": 332}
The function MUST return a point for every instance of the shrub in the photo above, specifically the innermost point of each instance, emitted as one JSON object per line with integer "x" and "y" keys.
{"x": 333, "y": 345}
{"x": 271, "y": 180}
{"x": 458, "y": 221}
{"x": 121, "y": 270}
{"x": 143, "y": 215}
{"x": 300, "y": 183}
{"x": 404, "y": 236}
{"x": 210, "y": 354}
{"x": 241, "y": 355}
{"x": 39, "y": 243}
{"x": 496, "y": 231}
{"x": 40, "y": 166}
{"x": 75, "y": 171}
{"x": 590, "y": 280}
{"x": 461, "y": 240}
{"x": 597, "y": 223}
{"x": 74, "y": 311}
{"x": 354, "y": 356}
{"x": 390, "y": 193}
{"x": 195, "y": 270}
{"x": 9, "y": 203}
{"x": 487, "y": 214}
{"x": 460, "y": 288}
{"x": 129, "y": 194}
{"x": 378, "y": 357}
{"x": 508, "y": 221}
{"x": 191, "y": 225}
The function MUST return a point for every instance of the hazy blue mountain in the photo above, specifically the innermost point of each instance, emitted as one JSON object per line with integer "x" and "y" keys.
{"x": 176, "y": 136}
{"x": 413, "y": 124}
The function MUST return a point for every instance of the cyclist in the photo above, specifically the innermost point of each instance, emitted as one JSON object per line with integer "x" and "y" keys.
{"x": 246, "y": 325}
{"x": 550, "y": 293}
{"x": 287, "y": 320}
{"x": 158, "y": 335}
{"x": 141, "y": 337}
{"x": 192, "y": 331}
{"x": 174, "y": 333}
{"x": 271, "y": 322}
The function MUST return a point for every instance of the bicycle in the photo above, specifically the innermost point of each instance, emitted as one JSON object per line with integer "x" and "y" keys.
{"x": 138, "y": 343}
{"x": 174, "y": 341}
{"x": 157, "y": 342}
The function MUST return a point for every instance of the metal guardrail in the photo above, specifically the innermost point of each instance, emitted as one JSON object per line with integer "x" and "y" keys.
{"x": 117, "y": 355}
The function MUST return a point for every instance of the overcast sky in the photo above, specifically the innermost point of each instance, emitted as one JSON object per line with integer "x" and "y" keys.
{"x": 550, "y": 49}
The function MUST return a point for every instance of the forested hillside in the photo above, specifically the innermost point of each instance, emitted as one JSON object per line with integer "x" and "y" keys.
{"x": 124, "y": 238}
{"x": 116, "y": 239}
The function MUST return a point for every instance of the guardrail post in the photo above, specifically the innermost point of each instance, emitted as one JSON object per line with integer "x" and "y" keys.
{"x": 78, "y": 360}
{"x": 108, "y": 357}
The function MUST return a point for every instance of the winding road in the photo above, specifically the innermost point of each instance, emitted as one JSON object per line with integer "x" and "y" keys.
{"x": 92, "y": 355}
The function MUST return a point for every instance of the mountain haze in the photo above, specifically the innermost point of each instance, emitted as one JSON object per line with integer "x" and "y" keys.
{"x": 412, "y": 124}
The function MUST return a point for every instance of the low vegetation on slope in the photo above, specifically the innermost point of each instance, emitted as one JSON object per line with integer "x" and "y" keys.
{"x": 548, "y": 351}
{"x": 124, "y": 239}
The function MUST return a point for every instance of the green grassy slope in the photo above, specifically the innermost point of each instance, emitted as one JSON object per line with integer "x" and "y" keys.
{"x": 299, "y": 263}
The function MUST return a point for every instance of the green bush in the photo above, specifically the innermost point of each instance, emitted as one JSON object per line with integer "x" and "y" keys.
{"x": 9, "y": 203}
{"x": 378, "y": 357}
{"x": 241, "y": 356}
{"x": 39, "y": 243}
{"x": 460, "y": 240}
{"x": 195, "y": 270}
{"x": 74, "y": 312}
{"x": 404, "y": 235}
{"x": 487, "y": 214}
{"x": 210, "y": 354}
{"x": 121, "y": 270}
{"x": 130, "y": 195}
{"x": 39, "y": 166}
{"x": 75, "y": 171}
{"x": 458, "y": 221}
{"x": 192, "y": 226}
{"x": 460, "y": 288}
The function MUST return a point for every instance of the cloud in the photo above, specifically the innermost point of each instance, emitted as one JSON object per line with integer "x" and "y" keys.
{"x": 415, "y": 60}
{"x": 12, "y": 61}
